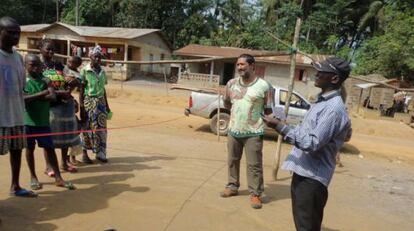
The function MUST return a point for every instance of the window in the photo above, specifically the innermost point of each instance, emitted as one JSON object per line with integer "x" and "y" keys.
{"x": 300, "y": 75}
{"x": 295, "y": 100}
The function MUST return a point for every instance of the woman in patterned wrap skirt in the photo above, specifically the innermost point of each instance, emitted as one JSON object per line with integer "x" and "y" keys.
{"x": 94, "y": 107}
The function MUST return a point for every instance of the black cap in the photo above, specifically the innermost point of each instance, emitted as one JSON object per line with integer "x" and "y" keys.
{"x": 334, "y": 65}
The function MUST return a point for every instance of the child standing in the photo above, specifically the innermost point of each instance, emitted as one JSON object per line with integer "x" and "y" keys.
{"x": 72, "y": 79}
{"x": 36, "y": 120}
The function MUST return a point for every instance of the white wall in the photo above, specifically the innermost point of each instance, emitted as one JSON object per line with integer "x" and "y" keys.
{"x": 155, "y": 45}
{"x": 278, "y": 74}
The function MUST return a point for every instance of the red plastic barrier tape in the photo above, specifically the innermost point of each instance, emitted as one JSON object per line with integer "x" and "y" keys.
{"x": 82, "y": 131}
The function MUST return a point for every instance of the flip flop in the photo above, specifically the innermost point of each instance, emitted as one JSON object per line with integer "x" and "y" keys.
{"x": 67, "y": 185}
{"x": 50, "y": 173}
{"x": 36, "y": 185}
{"x": 23, "y": 193}
{"x": 70, "y": 169}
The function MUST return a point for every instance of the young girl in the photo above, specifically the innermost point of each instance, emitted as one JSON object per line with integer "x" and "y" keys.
{"x": 94, "y": 106}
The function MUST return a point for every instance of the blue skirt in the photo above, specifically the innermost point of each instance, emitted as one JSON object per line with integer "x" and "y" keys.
{"x": 63, "y": 119}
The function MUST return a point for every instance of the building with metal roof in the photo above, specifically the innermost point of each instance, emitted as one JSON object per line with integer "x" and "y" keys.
{"x": 123, "y": 44}
{"x": 275, "y": 68}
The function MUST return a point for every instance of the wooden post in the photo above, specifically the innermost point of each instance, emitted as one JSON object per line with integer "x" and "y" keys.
{"x": 369, "y": 97}
{"x": 126, "y": 52}
{"x": 165, "y": 80}
{"x": 211, "y": 73}
{"x": 68, "y": 53}
{"x": 126, "y": 59}
{"x": 276, "y": 161}
{"x": 179, "y": 73}
{"x": 359, "y": 100}
{"x": 218, "y": 98}
{"x": 218, "y": 113}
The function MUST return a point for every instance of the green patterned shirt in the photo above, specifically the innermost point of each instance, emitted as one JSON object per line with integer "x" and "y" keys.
{"x": 248, "y": 102}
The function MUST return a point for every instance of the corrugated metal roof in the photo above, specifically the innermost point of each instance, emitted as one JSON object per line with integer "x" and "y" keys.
{"x": 376, "y": 78}
{"x": 300, "y": 59}
{"x": 92, "y": 31}
{"x": 33, "y": 27}
{"x": 194, "y": 50}
{"x": 366, "y": 85}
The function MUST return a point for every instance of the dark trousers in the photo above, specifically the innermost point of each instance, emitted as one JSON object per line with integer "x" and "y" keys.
{"x": 308, "y": 201}
{"x": 254, "y": 160}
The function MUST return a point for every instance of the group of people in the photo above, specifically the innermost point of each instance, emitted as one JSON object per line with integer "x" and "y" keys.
{"x": 37, "y": 107}
{"x": 316, "y": 140}
{"x": 39, "y": 101}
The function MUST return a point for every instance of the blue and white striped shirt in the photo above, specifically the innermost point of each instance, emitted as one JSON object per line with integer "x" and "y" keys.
{"x": 318, "y": 138}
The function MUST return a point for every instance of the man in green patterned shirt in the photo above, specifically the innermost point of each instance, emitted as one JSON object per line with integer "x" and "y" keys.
{"x": 247, "y": 97}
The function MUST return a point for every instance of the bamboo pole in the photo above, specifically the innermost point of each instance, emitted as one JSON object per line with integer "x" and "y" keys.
{"x": 218, "y": 104}
{"x": 276, "y": 161}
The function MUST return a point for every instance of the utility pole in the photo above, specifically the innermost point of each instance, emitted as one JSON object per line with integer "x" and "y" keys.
{"x": 276, "y": 161}
{"x": 57, "y": 10}
{"x": 240, "y": 12}
{"x": 77, "y": 13}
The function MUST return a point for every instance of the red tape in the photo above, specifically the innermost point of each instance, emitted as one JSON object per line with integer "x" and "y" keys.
{"x": 83, "y": 131}
{"x": 93, "y": 130}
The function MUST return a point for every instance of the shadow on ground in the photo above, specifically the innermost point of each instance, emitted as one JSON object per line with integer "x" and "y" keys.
{"x": 349, "y": 149}
{"x": 125, "y": 164}
{"x": 272, "y": 192}
{"x": 204, "y": 128}
{"x": 33, "y": 213}
{"x": 324, "y": 228}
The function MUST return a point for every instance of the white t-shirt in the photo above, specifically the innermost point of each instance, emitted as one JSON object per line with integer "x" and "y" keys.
{"x": 12, "y": 82}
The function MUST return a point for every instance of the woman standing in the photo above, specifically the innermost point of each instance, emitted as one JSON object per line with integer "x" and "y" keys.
{"x": 62, "y": 111}
{"x": 94, "y": 107}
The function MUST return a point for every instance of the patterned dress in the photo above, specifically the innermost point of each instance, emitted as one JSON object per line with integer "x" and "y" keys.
{"x": 62, "y": 112}
{"x": 96, "y": 111}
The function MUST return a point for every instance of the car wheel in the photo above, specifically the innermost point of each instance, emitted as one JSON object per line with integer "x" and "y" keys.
{"x": 223, "y": 123}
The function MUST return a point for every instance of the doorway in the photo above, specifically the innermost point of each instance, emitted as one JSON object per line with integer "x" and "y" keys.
{"x": 228, "y": 72}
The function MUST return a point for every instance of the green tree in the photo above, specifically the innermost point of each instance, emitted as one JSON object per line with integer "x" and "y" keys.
{"x": 29, "y": 12}
{"x": 392, "y": 53}
{"x": 91, "y": 12}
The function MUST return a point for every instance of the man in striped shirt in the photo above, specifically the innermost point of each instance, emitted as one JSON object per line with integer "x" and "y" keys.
{"x": 316, "y": 143}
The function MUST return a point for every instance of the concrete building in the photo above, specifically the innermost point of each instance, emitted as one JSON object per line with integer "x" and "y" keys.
{"x": 274, "y": 69}
{"x": 124, "y": 44}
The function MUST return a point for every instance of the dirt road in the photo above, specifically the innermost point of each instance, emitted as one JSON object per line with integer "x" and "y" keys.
{"x": 165, "y": 172}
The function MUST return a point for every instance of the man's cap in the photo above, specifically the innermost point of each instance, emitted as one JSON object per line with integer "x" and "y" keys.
{"x": 335, "y": 65}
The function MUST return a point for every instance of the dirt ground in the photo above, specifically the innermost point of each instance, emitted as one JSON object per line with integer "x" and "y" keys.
{"x": 165, "y": 172}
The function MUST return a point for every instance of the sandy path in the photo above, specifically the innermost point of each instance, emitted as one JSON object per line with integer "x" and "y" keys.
{"x": 166, "y": 171}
